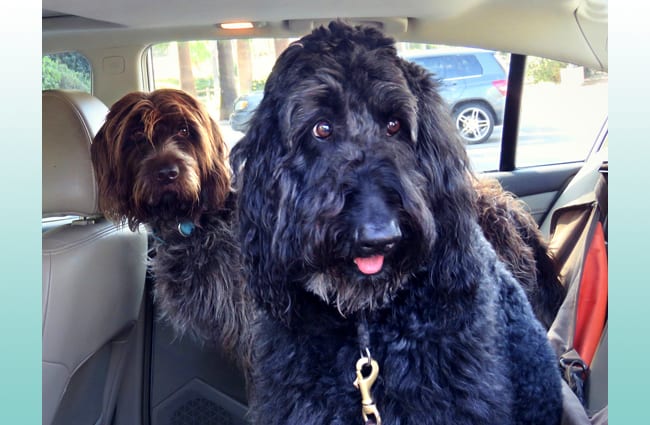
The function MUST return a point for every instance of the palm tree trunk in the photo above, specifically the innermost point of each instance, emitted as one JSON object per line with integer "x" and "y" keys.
{"x": 226, "y": 78}
{"x": 185, "y": 66}
{"x": 244, "y": 66}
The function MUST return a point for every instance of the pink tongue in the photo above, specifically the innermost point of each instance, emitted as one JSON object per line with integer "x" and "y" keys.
{"x": 370, "y": 265}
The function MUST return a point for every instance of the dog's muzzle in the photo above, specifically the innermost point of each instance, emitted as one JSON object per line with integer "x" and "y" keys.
{"x": 372, "y": 242}
{"x": 167, "y": 174}
{"x": 377, "y": 237}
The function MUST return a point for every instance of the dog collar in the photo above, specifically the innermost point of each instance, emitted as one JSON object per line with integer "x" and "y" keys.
{"x": 186, "y": 228}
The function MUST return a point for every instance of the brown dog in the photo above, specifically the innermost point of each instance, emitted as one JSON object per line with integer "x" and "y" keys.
{"x": 518, "y": 242}
{"x": 160, "y": 160}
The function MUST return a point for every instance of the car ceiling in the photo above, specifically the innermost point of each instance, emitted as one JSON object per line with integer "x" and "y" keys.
{"x": 570, "y": 30}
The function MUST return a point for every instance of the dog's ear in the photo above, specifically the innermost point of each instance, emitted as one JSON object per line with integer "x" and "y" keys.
{"x": 215, "y": 185}
{"x": 254, "y": 161}
{"x": 113, "y": 193}
{"x": 441, "y": 153}
{"x": 444, "y": 161}
{"x": 101, "y": 157}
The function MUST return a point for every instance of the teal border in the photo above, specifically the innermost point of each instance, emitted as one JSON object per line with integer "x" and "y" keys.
{"x": 20, "y": 191}
{"x": 20, "y": 183}
{"x": 629, "y": 209}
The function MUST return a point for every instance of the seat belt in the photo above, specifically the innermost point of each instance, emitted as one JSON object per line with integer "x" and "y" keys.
{"x": 592, "y": 299}
{"x": 578, "y": 241}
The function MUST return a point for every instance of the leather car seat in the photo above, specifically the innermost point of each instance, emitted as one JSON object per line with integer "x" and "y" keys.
{"x": 93, "y": 271}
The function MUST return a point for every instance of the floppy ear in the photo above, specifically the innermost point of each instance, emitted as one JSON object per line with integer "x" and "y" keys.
{"x": 254, "y": 160}
{"x": 101, "y": 157}
{"x": 215, "y": 179}
{"x": 114, "y": 199}
{"x": 443, "y": 159}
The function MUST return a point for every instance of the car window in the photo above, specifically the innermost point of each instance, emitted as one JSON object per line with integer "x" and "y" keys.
{"x": 563, "y": 105}
{"x": 462, "y": 66}
{"x": 221, "y": 74}
{"x": 465, "y": 66}
{"x": 438, "y": 65}
{"x": 450, "y": 66}
{"x": 563, "y": 109}
{"x": 66, "y": 70}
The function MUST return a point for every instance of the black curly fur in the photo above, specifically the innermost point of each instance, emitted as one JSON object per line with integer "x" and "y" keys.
{"x": 454, "y": 336}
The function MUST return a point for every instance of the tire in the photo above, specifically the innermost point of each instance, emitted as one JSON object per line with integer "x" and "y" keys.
{"x": 474, "y": 122}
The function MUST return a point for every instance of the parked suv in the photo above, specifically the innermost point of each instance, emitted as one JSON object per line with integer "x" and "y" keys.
{"x": 473, "y": 83}
{"x": 243, "y": 109}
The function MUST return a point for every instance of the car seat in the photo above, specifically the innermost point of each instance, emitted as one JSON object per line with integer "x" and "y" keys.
{"x": 578, "y": 240}
{"x": 93, "y": 271}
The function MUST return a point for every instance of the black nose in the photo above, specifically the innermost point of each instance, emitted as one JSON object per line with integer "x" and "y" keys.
{"x": 377, "y": 237}
{"x": 167, "y": 174}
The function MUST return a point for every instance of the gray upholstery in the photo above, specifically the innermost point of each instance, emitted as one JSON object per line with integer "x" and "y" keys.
{"x": 93, "y": 271}
{"x": 597, "y": 383}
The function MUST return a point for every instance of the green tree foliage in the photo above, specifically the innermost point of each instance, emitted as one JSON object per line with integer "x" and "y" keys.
{"x": 66, "y": 71}
{"x": 258, "y": 85}
{"x": 204, "y": 84}
{"x": 200, "y": 51}
{"x": 544, "y": 70}
{"x": 161, "y": 49}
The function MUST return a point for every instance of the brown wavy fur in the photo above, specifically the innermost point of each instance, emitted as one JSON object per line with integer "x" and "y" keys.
{"x": 518, "y": 242}
{"x": 197, "y": 285}
{"x": 141, "y": 132}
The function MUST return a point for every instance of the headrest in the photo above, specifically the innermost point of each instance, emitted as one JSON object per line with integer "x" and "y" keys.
{"x": 70, "y": 121}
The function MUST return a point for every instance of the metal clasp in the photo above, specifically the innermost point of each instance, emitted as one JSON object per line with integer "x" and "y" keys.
{"x": 364, "y": 384}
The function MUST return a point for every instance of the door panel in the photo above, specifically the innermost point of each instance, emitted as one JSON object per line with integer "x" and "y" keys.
{"x": 193, "y": 383}
{"x": 538, "y": 187}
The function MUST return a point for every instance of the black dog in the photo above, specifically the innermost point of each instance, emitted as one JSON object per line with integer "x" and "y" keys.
{"x": 362, "y": 250}
{"x": 159, "y": 159}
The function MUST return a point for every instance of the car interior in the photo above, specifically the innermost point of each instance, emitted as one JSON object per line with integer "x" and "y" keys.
{"x": 90, "y": 307}
{"x": 107, "y": 359}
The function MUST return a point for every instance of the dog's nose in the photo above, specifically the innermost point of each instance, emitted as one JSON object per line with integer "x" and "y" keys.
{"x": 374, "y": 237}
{"x": 167, "y": 174}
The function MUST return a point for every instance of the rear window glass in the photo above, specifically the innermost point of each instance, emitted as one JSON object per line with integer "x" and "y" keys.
{"x": 563, "y": 105}
{"x": 67, "y": 70}
{"x": 451, "y": 66}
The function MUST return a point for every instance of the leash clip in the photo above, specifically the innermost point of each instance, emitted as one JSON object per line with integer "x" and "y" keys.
{"x": 364, "y": 384}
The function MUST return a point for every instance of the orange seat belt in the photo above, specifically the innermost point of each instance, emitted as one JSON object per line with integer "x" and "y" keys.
{"x": 592, "y": 301}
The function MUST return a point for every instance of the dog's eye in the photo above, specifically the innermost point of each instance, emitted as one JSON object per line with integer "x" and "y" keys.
{"x": 322, "y": 130}
{"x": 183, "y": 131}
{"x": 393, "y": 126}
{"x": 138, "y": 136}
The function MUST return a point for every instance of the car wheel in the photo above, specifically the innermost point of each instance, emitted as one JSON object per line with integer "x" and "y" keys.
{"x": 474, "y": 122}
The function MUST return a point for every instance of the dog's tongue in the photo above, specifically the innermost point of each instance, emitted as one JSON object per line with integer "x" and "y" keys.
{"x": 370, "y": 265}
